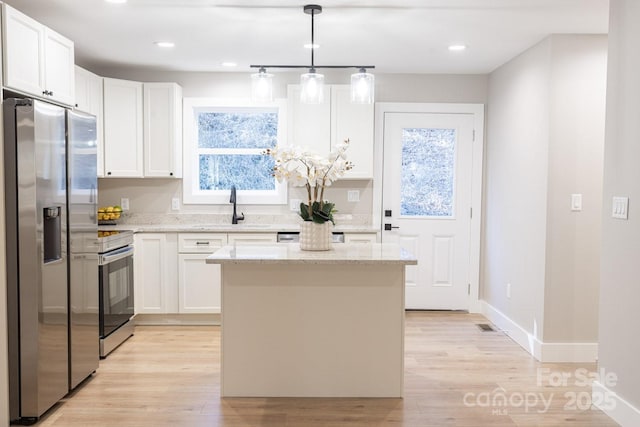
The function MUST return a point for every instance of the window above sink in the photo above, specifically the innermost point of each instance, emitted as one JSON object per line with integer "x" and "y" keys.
{"x": 223, "y": 145}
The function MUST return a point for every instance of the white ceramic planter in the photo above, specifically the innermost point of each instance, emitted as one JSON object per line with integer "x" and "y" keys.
{"x": 315, "y": 237}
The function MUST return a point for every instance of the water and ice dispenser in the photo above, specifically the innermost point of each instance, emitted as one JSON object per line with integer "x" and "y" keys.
{"x": 52, "y": 233}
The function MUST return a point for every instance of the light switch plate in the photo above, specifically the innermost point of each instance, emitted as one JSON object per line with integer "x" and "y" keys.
{"x": 576, "y": 202}
{"x": 175, "y": 204}
{"x": 353, "y": 196}
{"x": 620, "y": 208}
{"x": 124, "y": 204}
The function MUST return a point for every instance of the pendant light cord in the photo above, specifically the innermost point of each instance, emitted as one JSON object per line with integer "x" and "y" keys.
{"x": 313, "y": 70}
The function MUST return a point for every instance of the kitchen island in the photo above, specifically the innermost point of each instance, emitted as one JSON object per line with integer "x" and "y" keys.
{"x": 312, "y": 324}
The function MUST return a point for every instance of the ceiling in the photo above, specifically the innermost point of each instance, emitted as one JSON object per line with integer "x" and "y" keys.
{"x": 397, "y": 36}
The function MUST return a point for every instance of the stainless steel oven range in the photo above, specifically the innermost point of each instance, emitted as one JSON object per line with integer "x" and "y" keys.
{"x": 115, "y": 288}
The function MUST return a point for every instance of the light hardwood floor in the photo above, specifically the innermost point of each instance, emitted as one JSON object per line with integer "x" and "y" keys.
{"x": 455, "y": 375}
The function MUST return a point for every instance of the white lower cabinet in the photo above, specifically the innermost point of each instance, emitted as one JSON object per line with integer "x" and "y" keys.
{"x": 171, "y": 275}
{"x": 156, "y": 273}
{"x": 199, "y": 282}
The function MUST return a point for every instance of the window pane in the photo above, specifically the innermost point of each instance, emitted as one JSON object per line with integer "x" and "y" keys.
{"x": 246, "y": 172}
{"x": 428, "y": 172}
{"x": 237, "y": 130}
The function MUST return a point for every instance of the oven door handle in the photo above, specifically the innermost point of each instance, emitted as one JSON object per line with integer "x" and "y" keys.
{"x": 112, "y": 256}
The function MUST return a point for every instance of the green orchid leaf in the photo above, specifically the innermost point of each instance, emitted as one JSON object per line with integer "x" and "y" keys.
{"x": 304, "y": 212}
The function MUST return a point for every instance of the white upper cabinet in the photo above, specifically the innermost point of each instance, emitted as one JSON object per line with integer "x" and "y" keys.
{"x": 123, "y": 153}
{"x": 37, "y": 60}
{"x": 59, "y": 67}
{"x": 353, "y": 121}
{"x": 89, "y": 99}
{"x": 162, "y": 130}
{"x": 309, "y": 124}
{"x": 321, "y": 126}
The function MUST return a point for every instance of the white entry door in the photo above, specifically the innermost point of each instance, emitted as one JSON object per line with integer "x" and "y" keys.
{"x": 426, "y": 203}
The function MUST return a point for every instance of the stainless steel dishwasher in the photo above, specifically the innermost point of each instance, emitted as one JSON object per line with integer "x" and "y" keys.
{"x": 294, "y": 236}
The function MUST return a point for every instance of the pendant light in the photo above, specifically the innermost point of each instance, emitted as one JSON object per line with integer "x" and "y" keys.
{"x": 262, "y": 87}
{"x": 312, "y": 83}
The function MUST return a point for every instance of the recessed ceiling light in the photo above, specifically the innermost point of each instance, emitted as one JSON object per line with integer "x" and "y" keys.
{"x": 311, "y": 46}
{"x": 229, "y": 64}
{"x": 165, "y": 44}
{"x": 457, "y": 47}
{"x": 116, "y": 1}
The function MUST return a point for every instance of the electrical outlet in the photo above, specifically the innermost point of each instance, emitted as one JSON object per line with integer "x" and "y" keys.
{"x": 124, "y": 204}
{"x": 294, "y": 204}
{"x": 175, "y": 204}
{"x": 509, "y": 290}
{"x": 353, "y": 196}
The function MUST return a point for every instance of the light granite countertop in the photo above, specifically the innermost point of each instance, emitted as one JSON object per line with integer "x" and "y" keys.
{"x": 290, "y": 253}
{"x": 227, "y": 228}
{"x": 221, "y": 223}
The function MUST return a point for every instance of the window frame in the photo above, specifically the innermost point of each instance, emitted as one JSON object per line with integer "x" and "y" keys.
{"x": 191, "y": 193}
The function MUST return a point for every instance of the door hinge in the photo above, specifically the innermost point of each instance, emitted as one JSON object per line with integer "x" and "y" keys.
{"x": 470, "y": 212}
{"x": 473, "y": 138}
{"x": 468, "y": 288}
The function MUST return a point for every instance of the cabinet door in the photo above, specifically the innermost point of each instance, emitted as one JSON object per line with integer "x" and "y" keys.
{"x": 309, "y": 124}
{"x": 252, "y": 238}
{"x": 122, "y": 128}
{"x": 353, "y": 121}
{"x": 198, "y": 284}
{"x": 88, "y": 96}
{"x": 23, "y": 48}
{"x": 162, "y": 130}
{"x": 82, "y": 90}
{"x": 59, "y": 67}
{"x": 155, "y": 270}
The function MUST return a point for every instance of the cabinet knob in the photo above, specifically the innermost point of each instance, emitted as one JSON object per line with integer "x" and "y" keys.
{"x": 170, "y": 173}
{"x": 108, "y": 173}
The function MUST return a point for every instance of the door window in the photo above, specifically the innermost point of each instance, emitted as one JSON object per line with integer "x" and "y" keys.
{"x": 428, "y": 172}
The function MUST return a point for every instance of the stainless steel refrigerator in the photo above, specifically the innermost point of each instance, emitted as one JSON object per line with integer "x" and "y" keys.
{"x": 52, "y": 269}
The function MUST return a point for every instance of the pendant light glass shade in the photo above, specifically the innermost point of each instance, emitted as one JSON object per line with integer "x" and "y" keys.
{"x": 312, "y": 88}
{"x": 312, "y": 83}
{"x": 262, "y": 87}
{"x": 362, "y": 87}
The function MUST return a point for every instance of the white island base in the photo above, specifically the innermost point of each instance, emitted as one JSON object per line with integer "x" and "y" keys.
{"x": 304, "y": 324}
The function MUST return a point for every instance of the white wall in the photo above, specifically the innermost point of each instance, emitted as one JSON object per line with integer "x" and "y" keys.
{"x": 620, "y": 268}
{"x": 544, "y": 142}
{"x": 516, "y": 187}
{"x": 154, "y": 195}
{"x": 467, "y": 88}
{"x": 576, "y": 145}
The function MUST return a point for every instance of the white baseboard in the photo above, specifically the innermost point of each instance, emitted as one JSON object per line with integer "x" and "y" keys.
{"x": 544, "y": 352}
{"x": 576, "y": 352}
{"x": 178, "y": 319}
{"x": 614, "y": 406}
